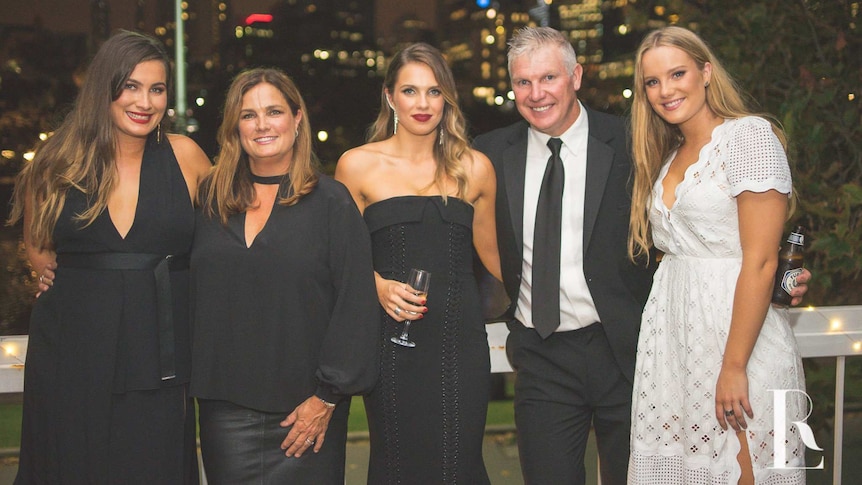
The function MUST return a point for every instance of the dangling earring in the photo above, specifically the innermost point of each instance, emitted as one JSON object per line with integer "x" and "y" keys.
{"x": 442, "y": 135}
{"x": 296, "y": 133}
{"x": 394, "y": 115}
{"x": 706, "y": 85}
{"x": 159, "y": 133}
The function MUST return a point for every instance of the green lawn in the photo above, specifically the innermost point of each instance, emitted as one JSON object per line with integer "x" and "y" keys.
{"x": 10, "y": 425}
{"x": 499, "y": 413}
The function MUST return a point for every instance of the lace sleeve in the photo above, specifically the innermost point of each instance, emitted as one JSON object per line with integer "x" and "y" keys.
{"x": 756, "y": 160}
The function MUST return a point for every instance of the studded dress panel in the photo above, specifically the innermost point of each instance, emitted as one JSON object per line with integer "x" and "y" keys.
{"x": 427, "y": 413}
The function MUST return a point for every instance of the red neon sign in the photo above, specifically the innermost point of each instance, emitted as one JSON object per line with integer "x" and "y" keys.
{"x": 258, "y": 17}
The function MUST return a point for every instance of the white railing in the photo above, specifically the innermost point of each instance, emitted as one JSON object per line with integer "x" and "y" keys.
{"x": 820, "y": 332}
{"x": 831, "y": 332}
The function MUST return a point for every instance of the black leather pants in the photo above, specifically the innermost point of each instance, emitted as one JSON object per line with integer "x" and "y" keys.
{"x": 243, "y": 446}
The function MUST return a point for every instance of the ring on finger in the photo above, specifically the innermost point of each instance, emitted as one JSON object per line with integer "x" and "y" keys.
{"x": 41, "y": 278}
{"x": 398, "y": 311}
{"x": 308, "y": 442}
{"x": 728, "y": 413}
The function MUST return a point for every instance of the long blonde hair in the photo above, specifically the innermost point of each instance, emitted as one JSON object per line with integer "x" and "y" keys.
{"x": 653, "y": 139}
{"x": 80, "y": 154}
{"x": 229, "y": 189}
{"x": 452, "y": 144}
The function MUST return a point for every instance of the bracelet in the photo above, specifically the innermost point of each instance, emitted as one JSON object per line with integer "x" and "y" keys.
{"x": 329, "y": 405}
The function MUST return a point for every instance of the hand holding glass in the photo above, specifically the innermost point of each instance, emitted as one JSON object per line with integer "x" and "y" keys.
{"x": 418, "y": 280}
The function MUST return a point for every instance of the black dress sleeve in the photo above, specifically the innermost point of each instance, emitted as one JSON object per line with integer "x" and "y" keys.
{"x": 349, "y": 354}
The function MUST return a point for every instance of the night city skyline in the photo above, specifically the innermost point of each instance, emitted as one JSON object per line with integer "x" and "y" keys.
{"x": 74, "y": 15}
{"x": 326, "y": 45}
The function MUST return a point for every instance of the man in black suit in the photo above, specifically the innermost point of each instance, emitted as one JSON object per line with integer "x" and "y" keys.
{"x": 574, "y": 371}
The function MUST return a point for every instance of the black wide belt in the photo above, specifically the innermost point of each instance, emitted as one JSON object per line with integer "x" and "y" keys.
{"x": 161, "y": 267}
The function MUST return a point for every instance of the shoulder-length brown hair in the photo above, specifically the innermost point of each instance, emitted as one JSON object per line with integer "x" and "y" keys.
{"x": 653, "y": 139}
{"x": 229, "y": 189}
{"x": 80, "y": 153}
{"x": 452, "y": 144}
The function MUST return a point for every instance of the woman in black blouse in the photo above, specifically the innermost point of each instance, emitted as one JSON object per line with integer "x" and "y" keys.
{"x": 285, "y": 319}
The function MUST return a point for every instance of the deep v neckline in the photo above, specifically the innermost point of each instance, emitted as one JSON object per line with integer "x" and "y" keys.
{"x": 137, "y": 205}
{"x": 243, "y": 233}
{"x": 134, "y": 218}
{"x": 715, "y": 136}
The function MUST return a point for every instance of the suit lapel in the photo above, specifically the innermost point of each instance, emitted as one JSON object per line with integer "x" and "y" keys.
{"x": 600, "y": 157}
{"x": 514, "y": 165}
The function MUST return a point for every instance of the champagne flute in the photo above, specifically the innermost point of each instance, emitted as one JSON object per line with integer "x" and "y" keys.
{"x": 418, "y": 280}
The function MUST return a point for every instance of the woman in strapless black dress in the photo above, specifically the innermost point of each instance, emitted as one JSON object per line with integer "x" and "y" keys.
{"x": 109, "y": 357}
{"x": 428, "y": 201}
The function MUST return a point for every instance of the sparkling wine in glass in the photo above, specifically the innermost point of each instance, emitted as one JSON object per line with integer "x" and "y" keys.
{"x": 418, "y": 280}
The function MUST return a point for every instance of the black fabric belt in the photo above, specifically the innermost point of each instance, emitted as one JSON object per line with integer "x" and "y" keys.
{"x": 161, "y": 267}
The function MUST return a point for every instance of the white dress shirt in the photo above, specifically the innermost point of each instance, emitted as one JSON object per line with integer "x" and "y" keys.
{"x": 577, "y": 309}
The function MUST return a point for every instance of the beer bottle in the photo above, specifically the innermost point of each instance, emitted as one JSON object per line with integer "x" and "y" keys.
{"x": 789, "y": 267}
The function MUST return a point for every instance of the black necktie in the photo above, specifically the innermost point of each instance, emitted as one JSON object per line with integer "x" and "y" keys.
{"x": 546, "y": 245}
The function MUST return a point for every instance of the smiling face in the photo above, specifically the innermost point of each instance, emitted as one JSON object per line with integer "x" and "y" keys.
{"x": 142, "y": 101}
{"x": 417, "y": 99}
{"x": 545, "y": 93}
{"x": 267, "y": 127}
{"x": 675, "y": 86}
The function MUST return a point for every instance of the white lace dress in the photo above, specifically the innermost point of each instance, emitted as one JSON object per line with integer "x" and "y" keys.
{"x": 676, "y": 438}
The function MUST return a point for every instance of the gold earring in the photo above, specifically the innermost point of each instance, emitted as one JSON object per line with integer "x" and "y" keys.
{"x": 395, "y": 126}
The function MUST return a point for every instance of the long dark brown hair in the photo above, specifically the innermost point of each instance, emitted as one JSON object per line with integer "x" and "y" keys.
{"x": 81, "y": 151}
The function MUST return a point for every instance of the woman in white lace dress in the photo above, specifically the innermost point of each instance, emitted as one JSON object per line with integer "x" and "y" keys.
{"x": 711, "y": 191}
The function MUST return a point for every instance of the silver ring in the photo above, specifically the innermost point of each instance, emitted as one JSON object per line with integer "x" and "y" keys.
{"x": 41, "y": 278}
{"x": 728, "y": 413}
{"x": 398, "y": 311}
{"x": 308, "y": 442}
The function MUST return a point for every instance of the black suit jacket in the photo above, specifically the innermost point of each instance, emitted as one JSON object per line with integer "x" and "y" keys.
{"x": 618, "y": 287}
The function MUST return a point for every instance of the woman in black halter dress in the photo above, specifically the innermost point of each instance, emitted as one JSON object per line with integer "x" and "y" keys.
{"x": 108, "y": 363}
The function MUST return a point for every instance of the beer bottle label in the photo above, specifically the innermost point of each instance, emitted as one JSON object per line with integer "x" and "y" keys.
{"x": 788, "y": 281}
{"x": 796, "y": 238}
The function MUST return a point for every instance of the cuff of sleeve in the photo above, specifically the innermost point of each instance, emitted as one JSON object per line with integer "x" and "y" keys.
{"x": 326, "y": 395}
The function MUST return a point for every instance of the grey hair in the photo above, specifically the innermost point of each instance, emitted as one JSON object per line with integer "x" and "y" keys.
{"x": 529, "y": 39}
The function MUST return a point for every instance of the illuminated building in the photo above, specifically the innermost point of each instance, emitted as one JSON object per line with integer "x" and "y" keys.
{"x": 474, "y": 39}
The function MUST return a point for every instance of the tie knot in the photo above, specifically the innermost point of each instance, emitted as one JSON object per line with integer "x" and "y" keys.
{"x": 555, "y": 144}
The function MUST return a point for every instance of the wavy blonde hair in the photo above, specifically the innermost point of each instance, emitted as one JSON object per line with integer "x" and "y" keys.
{"x": 653, "y": 139}
{"x": 453, "y": 126}
{"x": 229, "y": 189}
{"x": 80, "y": 153}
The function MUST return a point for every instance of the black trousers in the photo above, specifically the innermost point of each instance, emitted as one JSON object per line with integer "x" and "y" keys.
{"x": 243, "y": 446}
{"x": 563, "y": 385}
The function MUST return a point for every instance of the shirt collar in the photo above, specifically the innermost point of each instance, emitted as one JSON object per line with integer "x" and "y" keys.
{"x": 571, "y": 136}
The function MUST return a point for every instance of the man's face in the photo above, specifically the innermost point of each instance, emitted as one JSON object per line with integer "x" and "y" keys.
{"x": 545, "y": 94}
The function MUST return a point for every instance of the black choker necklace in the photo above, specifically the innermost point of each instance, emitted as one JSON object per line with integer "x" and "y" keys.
{"x": 272, "y": 180}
